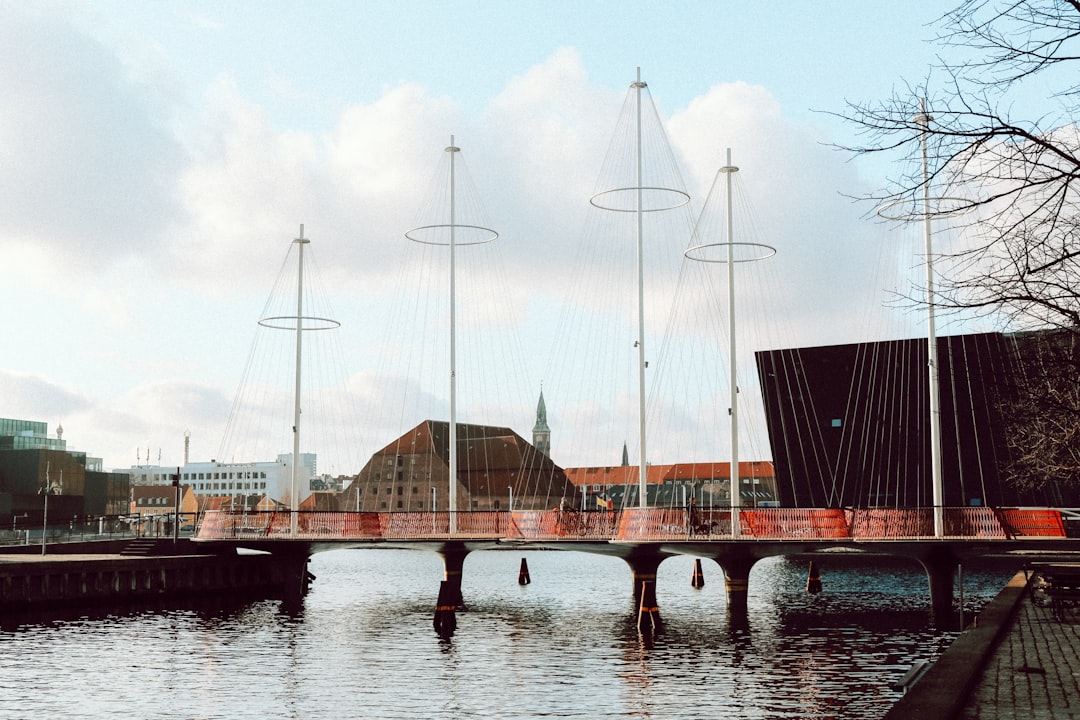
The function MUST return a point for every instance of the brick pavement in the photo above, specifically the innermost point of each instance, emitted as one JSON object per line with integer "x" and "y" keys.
{"x": 1016, "y": 661}
{"x": 1034, "y": 672}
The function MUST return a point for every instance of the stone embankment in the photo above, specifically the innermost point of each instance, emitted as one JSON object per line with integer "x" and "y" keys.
{"x": 135, "y": 571}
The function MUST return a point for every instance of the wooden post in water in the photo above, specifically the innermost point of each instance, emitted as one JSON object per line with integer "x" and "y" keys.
{"x": 445, "y": 611}
{"x": 813, "y": 580}
{"x": 648, "y": 611}
{"x": 523, "y": 573}
{"x": 697, "y": 580}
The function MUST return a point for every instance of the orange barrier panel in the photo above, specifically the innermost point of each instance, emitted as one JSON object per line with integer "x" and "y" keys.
{"x": 563, "y": 525}
{"x": 482, "y": 523}
{"x": 406, "y": 525}
{"x": 653, "y": 524}
{"x": 363, "y": 525}
{"x": 280, "y": 523}
{"x": 212, "y": 525}
{"x": 973, "y": 522}
{"x": 321, "y": 523}
{"x": 795, "y": 524}
{"x": 1028, "y": 522}
{"x": 525, "y": 525}
{"x": 892, "y": 523}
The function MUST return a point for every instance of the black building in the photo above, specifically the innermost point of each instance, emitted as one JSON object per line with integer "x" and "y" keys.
{"x": 849, "y": 424}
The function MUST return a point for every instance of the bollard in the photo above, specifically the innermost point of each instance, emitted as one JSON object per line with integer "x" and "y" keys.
{"x": 523, "y": 573}
{"x": 648, "y": 612}
{"x": 445, "y": 617}
{"x": 697, "y": 580}
{"x": 813, "y": 581}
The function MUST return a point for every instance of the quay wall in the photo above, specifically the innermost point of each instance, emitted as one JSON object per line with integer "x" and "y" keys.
{"x": 28, "y": 583}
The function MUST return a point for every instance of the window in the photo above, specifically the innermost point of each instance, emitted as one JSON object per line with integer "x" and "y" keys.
{"x": 399, "y": 504}
{"x": 414, "y": 490}
{"x": 836, "y": 422}
{"x": 400, "y": 490}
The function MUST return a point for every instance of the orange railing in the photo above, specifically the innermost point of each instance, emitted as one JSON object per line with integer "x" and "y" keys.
{"x": 1027, "y": 522}
{"x": 795, "y": 524}
{"x": 562, "y": 525}
{"x": 641, "y": 524}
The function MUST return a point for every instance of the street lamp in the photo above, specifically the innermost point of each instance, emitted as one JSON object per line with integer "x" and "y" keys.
{"x": 48, "y": 490}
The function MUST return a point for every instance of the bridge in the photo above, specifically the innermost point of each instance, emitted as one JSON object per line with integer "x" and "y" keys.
{"x": 644, "y": 537}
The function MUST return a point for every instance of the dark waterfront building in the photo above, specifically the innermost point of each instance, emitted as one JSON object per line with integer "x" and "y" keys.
{"x": 31, "y": 460}
{"x": 412, "y": 472}
{"x": 849, "y": 424}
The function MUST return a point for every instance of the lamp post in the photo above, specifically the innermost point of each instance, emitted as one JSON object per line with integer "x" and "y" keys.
{"x": 46, "y": 491}
{"x": 511, "y": 505}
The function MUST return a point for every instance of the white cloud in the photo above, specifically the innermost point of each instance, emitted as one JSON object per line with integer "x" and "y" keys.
{"x": 174, "y": 239}
{"x": 88, "y": 167}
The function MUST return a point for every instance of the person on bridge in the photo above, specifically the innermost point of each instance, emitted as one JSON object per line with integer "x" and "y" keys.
{"x": 693, "y": 517}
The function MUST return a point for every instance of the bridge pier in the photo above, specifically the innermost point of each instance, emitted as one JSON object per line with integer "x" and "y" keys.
{"x": 940, "y": 566}
{"x": 296, "y": 577}
{"x": 643, "y": 566}
{"x": 736, "y": 583}
{"x": 453, "y": 556}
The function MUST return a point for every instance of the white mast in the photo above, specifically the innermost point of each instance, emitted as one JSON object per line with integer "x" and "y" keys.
{"x": 699, "y": 251}
{"x": 644, "y": 193}
{"x": 642, "y": 454}
{"x": 729, "y": 171}
{"x": 300, "y": 242}
{"x": 936, "y": 474}
{"x": 453, "y": 150}
{"x": 472, "y": 234}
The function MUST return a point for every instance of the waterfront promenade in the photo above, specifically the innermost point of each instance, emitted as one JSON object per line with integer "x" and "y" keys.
{"x": 1017, "y": 660}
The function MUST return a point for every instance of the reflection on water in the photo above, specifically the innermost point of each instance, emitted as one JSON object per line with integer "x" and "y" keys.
{"x": 564, "y": 646}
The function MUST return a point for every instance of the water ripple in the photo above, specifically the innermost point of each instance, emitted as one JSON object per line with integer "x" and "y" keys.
{"x": 565, "y": 646}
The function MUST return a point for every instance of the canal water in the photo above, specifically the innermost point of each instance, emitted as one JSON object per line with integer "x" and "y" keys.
{"x": 564, "y": 646}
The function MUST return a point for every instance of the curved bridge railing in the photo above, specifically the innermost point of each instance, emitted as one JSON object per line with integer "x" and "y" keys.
{"x": 638, "y": 525}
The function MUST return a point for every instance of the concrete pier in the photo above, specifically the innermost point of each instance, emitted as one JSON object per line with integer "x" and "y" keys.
{"x": 28, "y": 581}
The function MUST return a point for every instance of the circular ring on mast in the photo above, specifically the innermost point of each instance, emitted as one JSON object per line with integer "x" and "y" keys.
{"x": 665, "y": 199}
{"x": 946, "y": 207}
{"x": 316, "y": 323}
{"x": 474, "y": 234}
{"x": 754, "y": 251}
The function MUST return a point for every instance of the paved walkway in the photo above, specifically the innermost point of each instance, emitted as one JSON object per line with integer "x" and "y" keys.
{"x": 1017, "y": 661}
{"x": 1034, "y": 673}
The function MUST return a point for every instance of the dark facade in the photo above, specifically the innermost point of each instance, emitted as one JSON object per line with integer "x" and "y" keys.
{"x": 849, "y": 424}
{"x": 30, "y": 460}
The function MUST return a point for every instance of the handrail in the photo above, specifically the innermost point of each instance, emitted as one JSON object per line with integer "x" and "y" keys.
{"x": 640, "y": 524}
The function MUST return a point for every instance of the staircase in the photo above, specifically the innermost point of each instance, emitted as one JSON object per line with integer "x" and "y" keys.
{"x": 142, "y": 547}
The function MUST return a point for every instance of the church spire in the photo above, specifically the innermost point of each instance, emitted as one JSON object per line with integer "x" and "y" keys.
{"x": 541, "y": 431}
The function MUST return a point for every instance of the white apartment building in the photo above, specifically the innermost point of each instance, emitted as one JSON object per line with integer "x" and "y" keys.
{"x": 273, "y": 479}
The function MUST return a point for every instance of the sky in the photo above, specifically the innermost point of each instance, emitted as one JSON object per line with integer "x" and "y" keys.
{"x": 159, "y": 157}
